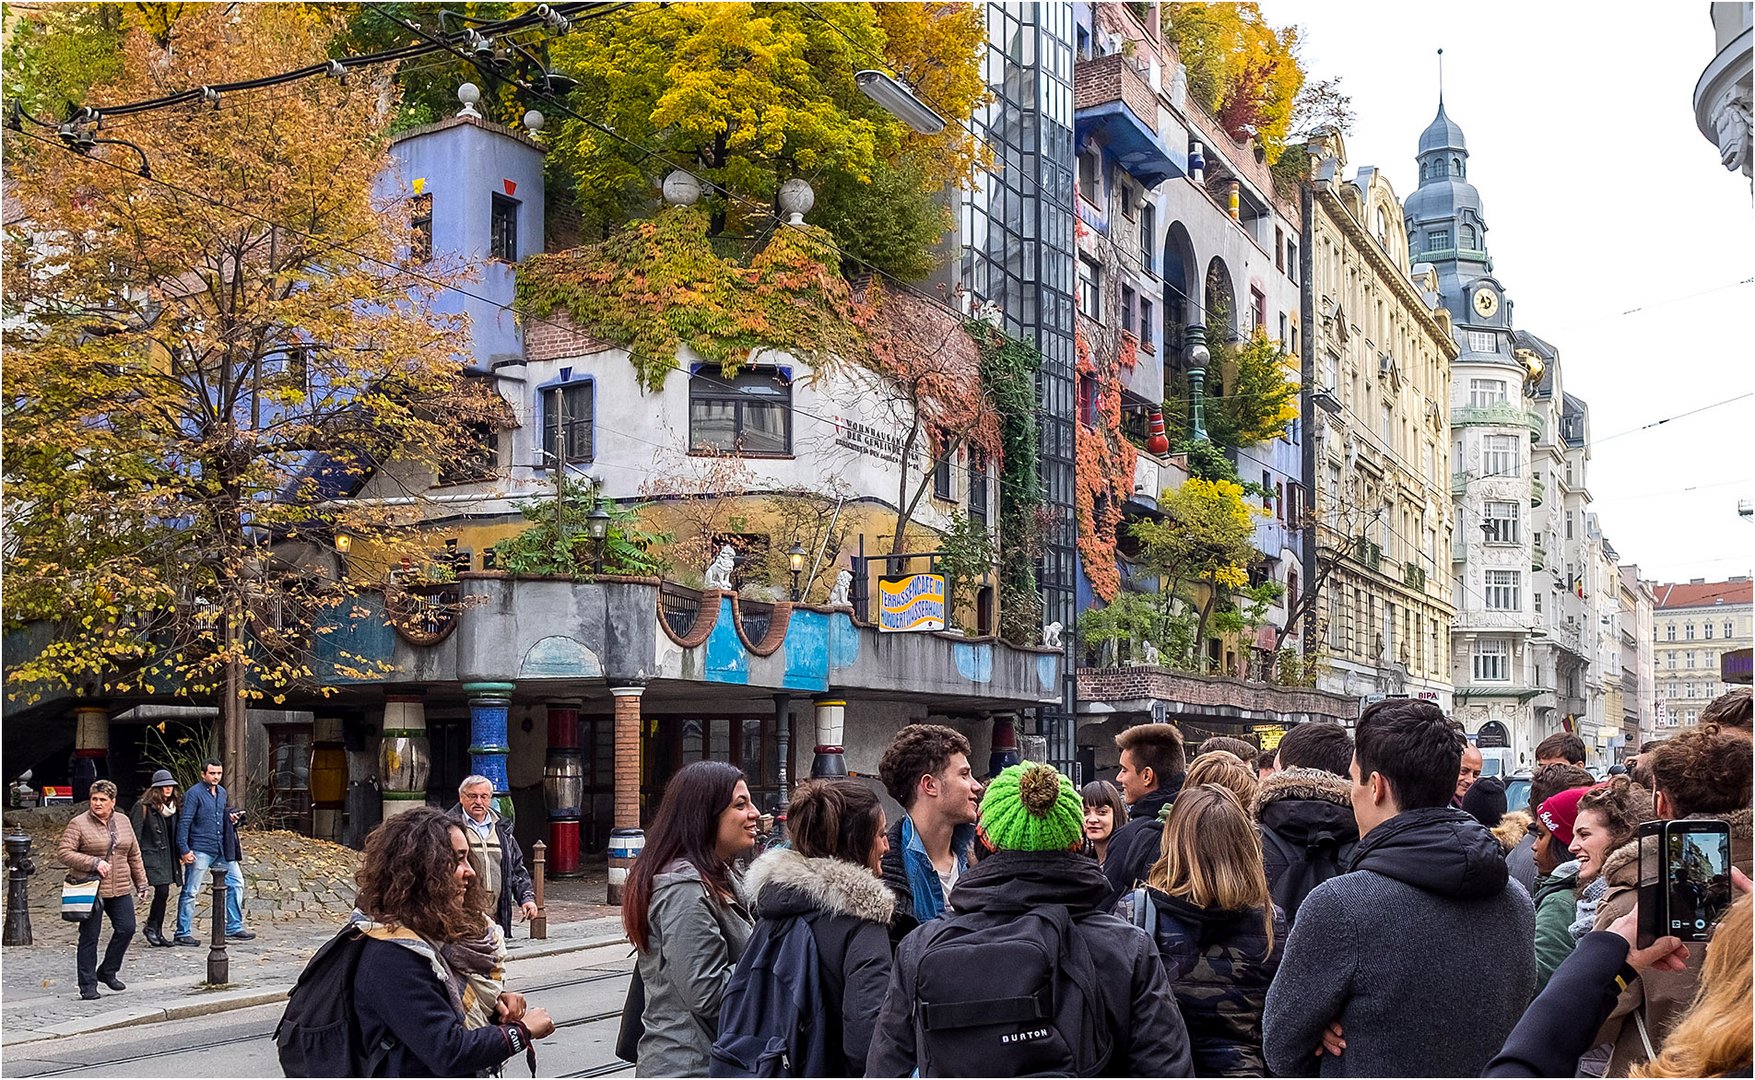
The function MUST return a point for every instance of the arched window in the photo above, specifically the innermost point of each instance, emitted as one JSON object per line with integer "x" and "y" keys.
{"x": 1456, "y": 165}
{"x": 1468, "y": 237}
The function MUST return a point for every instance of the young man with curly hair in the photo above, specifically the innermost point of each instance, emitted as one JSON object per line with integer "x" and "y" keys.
{"x": 927, "y": 770}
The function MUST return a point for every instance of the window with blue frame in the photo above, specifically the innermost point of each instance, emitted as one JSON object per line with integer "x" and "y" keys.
{"x": 749, "y": 413}
{"x": 567, "y": 414}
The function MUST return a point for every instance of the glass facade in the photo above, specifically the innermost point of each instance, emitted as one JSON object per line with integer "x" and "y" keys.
{"x": 1017, "y": 251}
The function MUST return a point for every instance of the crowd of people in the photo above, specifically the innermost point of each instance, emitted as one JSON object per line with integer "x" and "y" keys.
{"x": 1237, "y": 913}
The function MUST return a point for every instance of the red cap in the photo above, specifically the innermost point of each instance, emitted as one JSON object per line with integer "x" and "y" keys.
{"x": 1559, "y": 813}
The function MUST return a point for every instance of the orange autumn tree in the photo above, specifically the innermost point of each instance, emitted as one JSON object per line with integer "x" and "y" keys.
{"x": 199, "y": 362}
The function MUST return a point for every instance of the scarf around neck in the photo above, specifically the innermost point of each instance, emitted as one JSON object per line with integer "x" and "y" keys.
{"x": 473, "y": 972}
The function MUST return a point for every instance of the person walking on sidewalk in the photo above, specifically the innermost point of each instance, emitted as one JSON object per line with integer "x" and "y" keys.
{"x": 495, "y": 854}
{"x": 155, "y": 826}
{"x": 207, "y": 836}
{"x": 101, "y": 842}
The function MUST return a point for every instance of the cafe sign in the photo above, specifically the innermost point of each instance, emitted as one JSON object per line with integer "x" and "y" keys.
{"x": 911, "y": 603}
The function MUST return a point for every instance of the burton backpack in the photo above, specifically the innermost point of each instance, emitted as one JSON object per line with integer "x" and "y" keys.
{"x": 770, "y": 1023}
{"x": 319, "y": 1034}
{"x": 1047, "y": 1020}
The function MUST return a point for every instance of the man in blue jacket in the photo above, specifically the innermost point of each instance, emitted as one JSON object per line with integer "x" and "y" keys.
{"x": 207, "y": 836}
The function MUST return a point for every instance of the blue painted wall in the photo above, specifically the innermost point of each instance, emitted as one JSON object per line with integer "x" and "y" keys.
{"x": 465, "y": 164}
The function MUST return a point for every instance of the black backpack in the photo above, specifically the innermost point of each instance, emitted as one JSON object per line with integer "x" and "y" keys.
{"x": 1050, "y": 1023}
{"x": 1306, "y": 867}
{"x": 319, "y": 1034}
{"x": 770, "y": 1023}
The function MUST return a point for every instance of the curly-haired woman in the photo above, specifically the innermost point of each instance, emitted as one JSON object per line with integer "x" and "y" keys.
{"x": 430, "y": 977}
{"x": 1605, "y": 842}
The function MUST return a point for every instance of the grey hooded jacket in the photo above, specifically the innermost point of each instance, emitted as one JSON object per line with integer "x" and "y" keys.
{"x": 695, "y": 941}
{"x": 1426, "y": 885}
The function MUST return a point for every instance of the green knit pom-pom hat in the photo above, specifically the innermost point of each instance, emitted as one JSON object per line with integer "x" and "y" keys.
{"x": 1031, "y": 807}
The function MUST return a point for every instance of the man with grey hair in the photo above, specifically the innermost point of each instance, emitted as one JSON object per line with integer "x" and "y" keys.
{"x": 494, "y": 852}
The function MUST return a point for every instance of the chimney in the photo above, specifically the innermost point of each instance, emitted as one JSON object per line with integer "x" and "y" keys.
{"x": 1697, "y": 581}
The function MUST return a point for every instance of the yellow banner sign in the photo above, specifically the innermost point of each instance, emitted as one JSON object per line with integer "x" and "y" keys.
{"x": 911, "y": 603}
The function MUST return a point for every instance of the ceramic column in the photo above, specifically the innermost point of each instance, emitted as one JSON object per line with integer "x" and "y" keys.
{"x": 405, "y": 759}
{"x": 563, "y": 787}
{"x": 91, "y": 748}
{"x": 831, "y": 757}
{"x": 489, "y": 705}
{"x": 627, "y": 839}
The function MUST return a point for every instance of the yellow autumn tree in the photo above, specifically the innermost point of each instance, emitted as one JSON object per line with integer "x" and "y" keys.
{"x": 747, "y": 96}
{"x": 1245, "y": 72}
{"x": 201, "y": 361}
{"x": 1203, "y": 542}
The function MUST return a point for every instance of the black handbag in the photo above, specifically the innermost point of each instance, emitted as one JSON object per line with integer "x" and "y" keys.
{"x": 627, "y": 1039}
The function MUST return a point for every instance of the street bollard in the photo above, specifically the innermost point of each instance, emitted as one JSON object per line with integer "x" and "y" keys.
{"x": 218, "y": 966}
{"x": 538, "y": 864}
{"x": 19, "y": 867}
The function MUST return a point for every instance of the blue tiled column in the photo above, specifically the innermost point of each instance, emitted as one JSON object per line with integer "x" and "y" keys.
{"x": 489, "y": 741}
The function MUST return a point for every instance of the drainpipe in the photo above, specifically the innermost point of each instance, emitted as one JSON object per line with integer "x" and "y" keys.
{"x": 1307, "y": 392}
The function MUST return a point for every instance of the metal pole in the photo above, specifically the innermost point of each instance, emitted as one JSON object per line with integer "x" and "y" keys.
{"x": 19, "y": 867}
{"x": 218, "y": 966}
{"x": 538, "y": 868}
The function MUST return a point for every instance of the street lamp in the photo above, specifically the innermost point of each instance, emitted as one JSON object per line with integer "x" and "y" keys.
{"x": 597, "y": 525}
{"x": 1198, "y": 357}
{"x": 795, "y": 555}
{"x": 899, "y": 101}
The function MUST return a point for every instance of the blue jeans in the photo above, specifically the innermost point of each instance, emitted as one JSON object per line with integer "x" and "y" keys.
{"x": 195, "y": 880}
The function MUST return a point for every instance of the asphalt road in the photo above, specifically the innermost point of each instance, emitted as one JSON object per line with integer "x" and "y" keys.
{"x": 582, "y": 990}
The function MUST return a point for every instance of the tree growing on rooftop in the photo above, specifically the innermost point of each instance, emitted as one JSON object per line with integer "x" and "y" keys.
{"x": 199, "y": 363}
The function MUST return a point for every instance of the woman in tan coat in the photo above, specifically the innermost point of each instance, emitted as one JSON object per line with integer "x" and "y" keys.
{"x": 101, "y": 841}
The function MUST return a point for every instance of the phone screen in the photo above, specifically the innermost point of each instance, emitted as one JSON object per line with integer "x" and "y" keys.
{"x": 1699, "y": 883}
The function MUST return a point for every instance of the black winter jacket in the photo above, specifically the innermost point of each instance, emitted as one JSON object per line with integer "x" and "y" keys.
{"x": 1146, "y": 1030}
{"x": 849, "y": 912}
{"x": 1561, "y": 1024}
{"x": 396, "y": 993}
{"x": 1134, "y": 847}
{"x": 1220, "y": 967}
{"x": 1429, "y": 882}
{"x": 1305, "y": 817}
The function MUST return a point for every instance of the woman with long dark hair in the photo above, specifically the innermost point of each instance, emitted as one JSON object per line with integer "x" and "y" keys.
{"x": 831, "y": 879}
{"x": 155, "y": 827}
{"x": 683, "y": 915}
{"x": 430, "y": 978}
{"x": 1206, "y": 902}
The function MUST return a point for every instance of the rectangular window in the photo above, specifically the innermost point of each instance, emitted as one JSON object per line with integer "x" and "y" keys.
{"x": 1127, "y": 302}
{"x": 503, "y": 230}
{"x": 1486, "y": 392}
{"x": 1148, "y": 330}
{"x": 1279, "y": 248}
{"x": 1502, "y": 590}
{"x": 1709, "y": 631}
{"x": 420, "y": 224}
{"x": 944, "y": 456}
{"x": 567, "y": 422}
{"x": 1148, "y": 238}
{"x": 1090, "y": 289}
{"x": 1386, "y": 424}
{"x": 1728, "y": 632}
{"x": 1483, "y": 341}
{"x": 978, "y": 486}
{"x": 750, "y": 413}
{"x": 1291, "y": 260}
{"x": 1670, "y": 632}
{"x": 1089, "y": 162}
{"x": 1127, "y": 198}
{"x": 1492, "y": 661}
{"x": 1501, "y": 523}
{"x": 1670, "y": 660}
{"x": 1439, "y": 240}
{"x": 1088, "y": 400}
{"x": 1687, "y": 631}
{"x": 1569, "y": 536}
{"x": 1500, "y": 457}
{"x": 1285, "y": 332}
{"x": 1688, "y": 659}
{"x": 1258, "y": 310}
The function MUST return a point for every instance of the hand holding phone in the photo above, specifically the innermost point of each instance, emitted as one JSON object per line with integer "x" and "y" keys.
{"x": 1685, "y": 879}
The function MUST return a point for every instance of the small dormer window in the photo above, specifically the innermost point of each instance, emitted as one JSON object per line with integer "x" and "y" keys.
{"x": 1468, "y": 237}
{"x": 1439, "y": 241}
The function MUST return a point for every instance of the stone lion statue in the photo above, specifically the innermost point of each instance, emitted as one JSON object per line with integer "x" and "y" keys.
{"x": 718, "y": 575}
{"x": 839, "y": 595}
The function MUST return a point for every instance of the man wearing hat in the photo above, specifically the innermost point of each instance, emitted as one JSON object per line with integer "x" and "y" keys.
{"x": 155, "y": 826}
{"x": 1027, "y": 973}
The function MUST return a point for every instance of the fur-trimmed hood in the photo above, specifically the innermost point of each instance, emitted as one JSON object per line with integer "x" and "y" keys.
{"x": 1318, "y": 784}
{"x": 1511, "y": 828}
{"x": 783, "y": 882}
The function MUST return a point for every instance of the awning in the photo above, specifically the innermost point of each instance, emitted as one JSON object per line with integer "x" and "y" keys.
{"x": 1131, "y": 140}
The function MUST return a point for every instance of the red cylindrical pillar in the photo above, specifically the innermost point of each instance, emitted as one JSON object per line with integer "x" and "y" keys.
{"x": 563, "y": 787}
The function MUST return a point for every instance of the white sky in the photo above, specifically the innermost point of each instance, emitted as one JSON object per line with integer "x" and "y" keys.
{"x": 1601, "y": 197}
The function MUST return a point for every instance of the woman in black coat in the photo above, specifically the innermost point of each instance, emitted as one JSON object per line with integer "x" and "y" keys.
{"x": 155, "y": 827}
{"x": 831, "y": 879}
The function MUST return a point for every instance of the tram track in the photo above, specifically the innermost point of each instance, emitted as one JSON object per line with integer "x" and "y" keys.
{"x": 212, "y": 1044}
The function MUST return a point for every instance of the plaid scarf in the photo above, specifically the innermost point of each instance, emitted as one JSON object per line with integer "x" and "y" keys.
{"x": 472, "y": 972}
